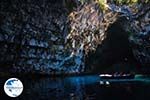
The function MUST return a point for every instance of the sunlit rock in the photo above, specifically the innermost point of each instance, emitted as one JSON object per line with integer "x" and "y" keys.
{"x": 51, "y": 37}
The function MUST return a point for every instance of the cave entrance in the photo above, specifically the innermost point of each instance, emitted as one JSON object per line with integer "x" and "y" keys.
{"x": 114, "y": 53}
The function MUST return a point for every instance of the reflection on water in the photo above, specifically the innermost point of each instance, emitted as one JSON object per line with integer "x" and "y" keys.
{"x": 84, "y": 88}
{"x": 69, "y": 88}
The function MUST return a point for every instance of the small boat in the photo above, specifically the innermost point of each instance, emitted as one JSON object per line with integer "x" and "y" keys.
{"x": 116, "y": 76}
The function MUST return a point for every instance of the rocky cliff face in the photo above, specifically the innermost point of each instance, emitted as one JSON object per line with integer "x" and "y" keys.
{"x": 108, "y": 39}
{"x": 47, "y": 37}
{"x": 32, "y": 37}
{"x": 140, "y": 41}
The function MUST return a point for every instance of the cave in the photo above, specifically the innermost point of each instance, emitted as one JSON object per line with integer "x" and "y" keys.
{"x": 115, "y": 52}
{"x": 33, "y": 39}
{"x": 74, "y": 49}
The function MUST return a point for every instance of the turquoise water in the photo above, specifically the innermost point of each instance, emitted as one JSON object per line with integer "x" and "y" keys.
{"x": 84, "y": 88}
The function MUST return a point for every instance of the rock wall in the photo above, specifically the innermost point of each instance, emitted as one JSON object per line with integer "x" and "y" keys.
{"x": 32, "y": 37}
{"x": 140, "y": 41}
{"x": 105, "y": 29}
{"x": 47, "y": 37}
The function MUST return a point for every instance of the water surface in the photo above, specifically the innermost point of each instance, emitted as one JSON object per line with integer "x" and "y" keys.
{"x": 83, "y": 88}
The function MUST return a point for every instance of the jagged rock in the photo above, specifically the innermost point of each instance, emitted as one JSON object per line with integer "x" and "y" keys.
{"x": 140, "y": 40}
{"x": 35, "y": 36}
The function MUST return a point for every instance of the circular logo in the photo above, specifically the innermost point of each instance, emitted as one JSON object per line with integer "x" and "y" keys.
{"x": 13, "y": 87}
